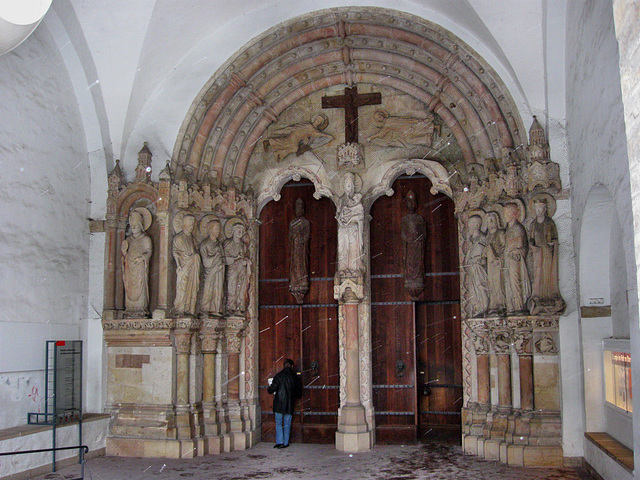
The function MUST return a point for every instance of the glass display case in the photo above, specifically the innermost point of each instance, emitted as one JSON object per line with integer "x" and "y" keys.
{"x": 617, "y": 375}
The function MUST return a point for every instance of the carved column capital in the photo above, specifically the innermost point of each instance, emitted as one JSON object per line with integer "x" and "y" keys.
{"x": 501, "y": 341}
{"x": 480, "y": 339}
{"x": 348, "y": 289}
{"x": 234, "y": 331}
{"x": 522, "y": 341}
{"x": 182, "y": 341}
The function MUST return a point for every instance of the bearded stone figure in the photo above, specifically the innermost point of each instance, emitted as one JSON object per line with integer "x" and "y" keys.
{"x": 236, "y": 254}
{"x": 494, "y": 254}
{"x": 517, "y": 283}
{"x": 185, "y": 253}
{"x": 214, "y": 267}
{"x": 543, "y": 241}
{"x": 350, "y": 230}
{"x": 136, "y": 254}
{"x": 475, "y": 269}
{"x": 414, "y": 234}
{"x": 299, "y": 235}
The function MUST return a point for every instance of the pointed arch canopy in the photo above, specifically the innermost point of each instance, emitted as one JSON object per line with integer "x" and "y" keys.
{"x": 345, "y": 46}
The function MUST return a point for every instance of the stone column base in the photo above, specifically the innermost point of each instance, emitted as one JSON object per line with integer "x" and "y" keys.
{"x": 516, "y": 455}
{"x": 354, "y": 442}
{"x": 140, "y": 447}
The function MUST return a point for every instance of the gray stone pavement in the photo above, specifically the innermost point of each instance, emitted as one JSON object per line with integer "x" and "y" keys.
{"x": 306, "y": 461}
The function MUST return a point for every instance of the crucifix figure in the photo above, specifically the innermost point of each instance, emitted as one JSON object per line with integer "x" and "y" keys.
{"x": 350, "y": 101}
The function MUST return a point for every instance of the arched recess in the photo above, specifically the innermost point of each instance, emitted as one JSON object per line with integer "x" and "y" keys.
{"x": 345, "y": 46}
{"x": 603, "y": 306}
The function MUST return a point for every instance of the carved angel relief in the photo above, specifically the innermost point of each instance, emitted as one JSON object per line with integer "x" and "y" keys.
{"x": 298, "y": 138}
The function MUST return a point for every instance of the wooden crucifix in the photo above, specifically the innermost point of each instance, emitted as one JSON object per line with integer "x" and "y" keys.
{"x": 350, "y": 101}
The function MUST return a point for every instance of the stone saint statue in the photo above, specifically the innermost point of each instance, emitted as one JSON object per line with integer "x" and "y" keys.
{"x": 517, "y": 284}
{"x": 475, "y": 269}
{"x": 299, "y": 137}
{"x": 214, "y": 267}
{"x": 414, "y": 234}
{"x": 236, "y": 253}
{"x": 299, "y": 234}
{"x": 185, "y": 253}
{"x": 350, "y": 218}
{"x": 136, "y": 253}
{"x": 494, "y": 254}
{"x": 543, "y": 241}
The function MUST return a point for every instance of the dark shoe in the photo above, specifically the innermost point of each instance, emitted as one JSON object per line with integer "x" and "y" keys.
{"x": 278, "y": 445}
{"x": 284, "y": 446}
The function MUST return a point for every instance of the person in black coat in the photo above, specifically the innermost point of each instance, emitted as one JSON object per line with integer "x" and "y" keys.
{"x": 287, "y": 388}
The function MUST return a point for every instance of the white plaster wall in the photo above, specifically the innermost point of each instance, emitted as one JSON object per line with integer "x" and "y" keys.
{"x": 597, "y": 145}
{"x": 44, "y": 197}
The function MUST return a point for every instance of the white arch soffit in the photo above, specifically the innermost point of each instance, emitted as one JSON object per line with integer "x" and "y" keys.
{"x": 90, "y": 102}
{"x": 202, "y": 64}
{"x": 18, "y": 20}
{"x": 595, "y": 245}
{"x": 434, "y": 171}
{"x": 271, "y": 189}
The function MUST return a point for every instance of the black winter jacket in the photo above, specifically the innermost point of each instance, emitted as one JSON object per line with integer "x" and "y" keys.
{"x": 287, "y": 387}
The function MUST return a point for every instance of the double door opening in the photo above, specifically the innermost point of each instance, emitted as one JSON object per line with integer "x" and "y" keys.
{"x": 416, "y": 346}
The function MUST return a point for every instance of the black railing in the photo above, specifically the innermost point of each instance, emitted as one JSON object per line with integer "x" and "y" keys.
{"x": 82, "y": 449}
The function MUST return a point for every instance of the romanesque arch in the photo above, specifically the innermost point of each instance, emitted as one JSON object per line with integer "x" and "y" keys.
{"x": 425, "y": 102}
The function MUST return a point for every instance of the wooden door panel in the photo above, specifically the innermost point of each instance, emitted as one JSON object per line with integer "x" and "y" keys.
{"x": 399, "y": 336}
{"x": 306, "y": 333}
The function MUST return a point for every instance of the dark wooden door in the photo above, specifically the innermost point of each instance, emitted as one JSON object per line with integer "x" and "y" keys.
{"x": 416, "y": 346}
{"x": 307, "y": 333}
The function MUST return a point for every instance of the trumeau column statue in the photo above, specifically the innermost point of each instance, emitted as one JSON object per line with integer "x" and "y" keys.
{"x": 543, "y": 242}
{"x": 475, "y": 278}
{"x": 517, "y": 283}
{"x": 414, "y": 234}
{"x": 350, "y": 230}
{"x": 213, "y": 261}
{"x": 187, "y": 260}
{"x": 238, "y": 265}
{"x": 299, "y": 235}
{"x": 136, "y": 253}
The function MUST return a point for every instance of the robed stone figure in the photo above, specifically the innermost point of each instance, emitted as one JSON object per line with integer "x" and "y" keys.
{"x": 185, "y": 253}
{"x": 299, "y": 235}
{"x": 543, "y": 241}
{"x": 414, "y": 234}
{"x": 350, "y": 218}
{"x": 136, "y": 254}
{"x": 214, "y": 267}
{"x": 475, "y": 269}
{"x": 517, "y": 283}
{"x": 494, "y": 254}
{"x": 236, "y": 254}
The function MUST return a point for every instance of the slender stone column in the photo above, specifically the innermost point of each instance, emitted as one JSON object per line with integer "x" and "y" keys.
{"x": 183, "y": 417}
{"x": 164, "y": 191}
{"x": 110, "y": 259}
{"x": 210, "y": 336}
{"x": 525, "y": 358}
{"x": 119, "y": 284}
{"x": 478, "y": 409}
{"x": 502, "y": 345}
{"x": 234, "y": 331}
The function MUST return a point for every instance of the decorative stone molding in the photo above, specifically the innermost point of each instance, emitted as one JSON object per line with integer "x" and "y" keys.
{"x": 501, "y": 341}
{"x": 139, "y": 324}
{"x": 182, "y": 341}
{"x": 350, "y": 155}
{"x": 433, "y": 170}
{"x": 349, "y": 289}
{"x": 272, "y": 189}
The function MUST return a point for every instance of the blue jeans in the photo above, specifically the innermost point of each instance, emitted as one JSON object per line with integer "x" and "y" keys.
{"x": 283, "y": 428}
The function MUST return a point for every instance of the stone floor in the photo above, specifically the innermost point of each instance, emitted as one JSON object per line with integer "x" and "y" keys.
{"x": 305, "y": 461}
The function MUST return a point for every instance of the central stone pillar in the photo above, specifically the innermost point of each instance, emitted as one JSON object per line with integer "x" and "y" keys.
{"x": 354, "y": 433}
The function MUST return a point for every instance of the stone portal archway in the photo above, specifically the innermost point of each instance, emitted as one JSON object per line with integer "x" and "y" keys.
{"x": 440, "y": 110}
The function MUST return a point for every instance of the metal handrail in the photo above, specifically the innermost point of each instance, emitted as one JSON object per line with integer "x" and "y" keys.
{"x": 83, "y": 449}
